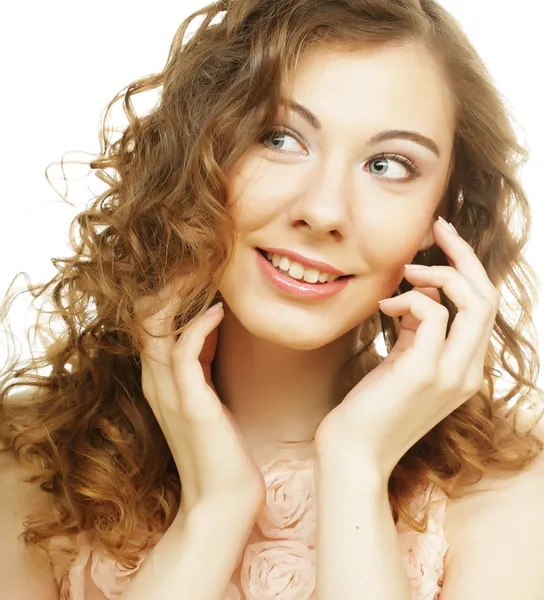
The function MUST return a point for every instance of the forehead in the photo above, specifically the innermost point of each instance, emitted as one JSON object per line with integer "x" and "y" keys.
{"x": 369, "y": 90}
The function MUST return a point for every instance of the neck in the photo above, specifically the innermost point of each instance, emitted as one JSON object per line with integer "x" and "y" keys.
{"x": 277, "y": 394}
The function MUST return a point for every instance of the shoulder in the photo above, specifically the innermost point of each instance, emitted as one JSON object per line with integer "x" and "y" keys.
{"x": 25, "y": 574}
{"x": 491, "y": 490}
{"x": 495, "y": 535}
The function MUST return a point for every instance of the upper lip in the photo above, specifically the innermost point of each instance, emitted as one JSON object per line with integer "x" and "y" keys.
{"x": 320, "y": 265}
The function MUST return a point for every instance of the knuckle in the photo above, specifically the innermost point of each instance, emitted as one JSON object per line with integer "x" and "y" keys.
{"x": 450, "y": 382}
{"x": 442, "y": 312}
{"x": 426, "y": 376}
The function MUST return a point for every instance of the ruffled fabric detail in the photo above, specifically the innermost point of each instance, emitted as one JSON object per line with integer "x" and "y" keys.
{"x": 290, "y": 511}
{"x": 279, "y": 558}
{"x": 278, "y": 569}
{"x": 424, "y": 553}
{"x": 90, "y": 574}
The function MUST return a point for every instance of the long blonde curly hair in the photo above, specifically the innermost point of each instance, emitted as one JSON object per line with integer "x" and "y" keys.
{"x": 87, "y": 435}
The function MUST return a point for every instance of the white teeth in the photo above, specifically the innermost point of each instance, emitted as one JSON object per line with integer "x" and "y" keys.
{"x": 297, "y": 271}
{"x": 284, "y": 264}
{"x": 310, "y": 275}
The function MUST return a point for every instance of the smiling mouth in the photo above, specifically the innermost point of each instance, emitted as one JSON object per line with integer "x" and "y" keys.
{"x": 265, "y": 255}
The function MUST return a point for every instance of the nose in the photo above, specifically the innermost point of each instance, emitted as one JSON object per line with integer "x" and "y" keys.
{"x": 322, "y": 204}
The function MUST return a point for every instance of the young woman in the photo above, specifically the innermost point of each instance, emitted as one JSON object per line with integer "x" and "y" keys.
{"x": 299, "y": 165}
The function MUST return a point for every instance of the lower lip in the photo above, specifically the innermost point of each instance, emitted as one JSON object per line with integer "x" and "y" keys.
{"x": 301, "y": 289}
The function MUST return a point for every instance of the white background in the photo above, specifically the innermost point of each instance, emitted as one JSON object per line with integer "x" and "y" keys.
{"x": 62, "y": 62}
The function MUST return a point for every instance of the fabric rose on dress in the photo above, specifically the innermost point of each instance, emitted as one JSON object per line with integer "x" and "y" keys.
{"x": 424, "y": 554}
{"x": 290, "y": 511}
{"x": 64, "y": 589}
{"x": 109, "y": 576}
{"x": 278, "y": 569}
{"x": 68, "y": 569}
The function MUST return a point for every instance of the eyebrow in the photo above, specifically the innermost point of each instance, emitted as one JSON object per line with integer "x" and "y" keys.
{"x": 413, "y": 136}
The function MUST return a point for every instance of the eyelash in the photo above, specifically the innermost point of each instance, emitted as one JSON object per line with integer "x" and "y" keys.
{"x": 412, "y": 168}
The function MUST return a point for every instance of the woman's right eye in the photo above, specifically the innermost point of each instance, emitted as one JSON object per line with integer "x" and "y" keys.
{"x": 276, "y": 134}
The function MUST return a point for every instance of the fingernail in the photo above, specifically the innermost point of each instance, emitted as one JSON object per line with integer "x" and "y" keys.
{"x": 447, "y": 226}
{"x": 416, "y": 266}
{"x": 214, "y": 309}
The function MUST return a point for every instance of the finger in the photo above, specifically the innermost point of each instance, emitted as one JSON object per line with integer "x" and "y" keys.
{"x": 468, "y": 338}
{"x": 424, "y": 322}
{"x": 198, "y": 400}
{"x": 465, "y": 261}
{"x": 207, "y": 355}
{"x": 409, "y": 325}
{"x": 455, "y": 285}
{"x": 157, "y": 350}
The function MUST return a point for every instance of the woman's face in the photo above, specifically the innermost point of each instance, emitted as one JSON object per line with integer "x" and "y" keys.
{"x": 325, "y": 192}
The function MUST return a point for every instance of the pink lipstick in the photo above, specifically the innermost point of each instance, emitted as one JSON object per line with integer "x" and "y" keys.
{"x": 300, "y": 288}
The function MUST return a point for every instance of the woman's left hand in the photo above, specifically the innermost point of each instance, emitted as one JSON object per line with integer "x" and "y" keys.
{"x": 425, "y": 377}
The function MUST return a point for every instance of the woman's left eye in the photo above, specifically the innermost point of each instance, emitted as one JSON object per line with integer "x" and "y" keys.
{"x": 400, "y": 163}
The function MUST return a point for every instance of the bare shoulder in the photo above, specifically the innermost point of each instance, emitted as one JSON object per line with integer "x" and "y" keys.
{"x": 491, "y": 489}
{"x": 23, "y": 575}
{"x": 495, "y": 535}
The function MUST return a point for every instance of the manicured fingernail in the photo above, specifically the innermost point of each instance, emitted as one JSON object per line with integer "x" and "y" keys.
{"x": 416, "y": 266}
{"x": 447, "y": 226}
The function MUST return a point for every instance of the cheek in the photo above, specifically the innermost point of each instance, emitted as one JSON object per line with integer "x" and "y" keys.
{"x": 387, "y": 249}
{"x": 390, "y": 231}
{"x": 257, "y": 194}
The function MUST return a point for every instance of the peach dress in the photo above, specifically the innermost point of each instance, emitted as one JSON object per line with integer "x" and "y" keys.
{"x": 279, "y": 558}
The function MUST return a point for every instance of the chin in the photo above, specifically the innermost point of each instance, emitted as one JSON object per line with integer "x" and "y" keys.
{"x": 296, "y": 338}
{"x": 290, "y": 327}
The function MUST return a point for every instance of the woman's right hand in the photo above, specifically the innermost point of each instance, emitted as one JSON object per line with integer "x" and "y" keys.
{"x": 213, "y": 460}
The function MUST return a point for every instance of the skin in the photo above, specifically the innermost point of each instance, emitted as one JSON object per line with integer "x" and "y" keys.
{"x": 325, "y": 194}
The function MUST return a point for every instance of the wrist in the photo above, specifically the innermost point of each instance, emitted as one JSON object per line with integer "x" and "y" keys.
{"x": 341, "y": 470}
{"x": 223, "y": 510}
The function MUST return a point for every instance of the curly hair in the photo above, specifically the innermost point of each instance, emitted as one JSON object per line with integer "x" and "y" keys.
{"x": 86, "y": 434}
